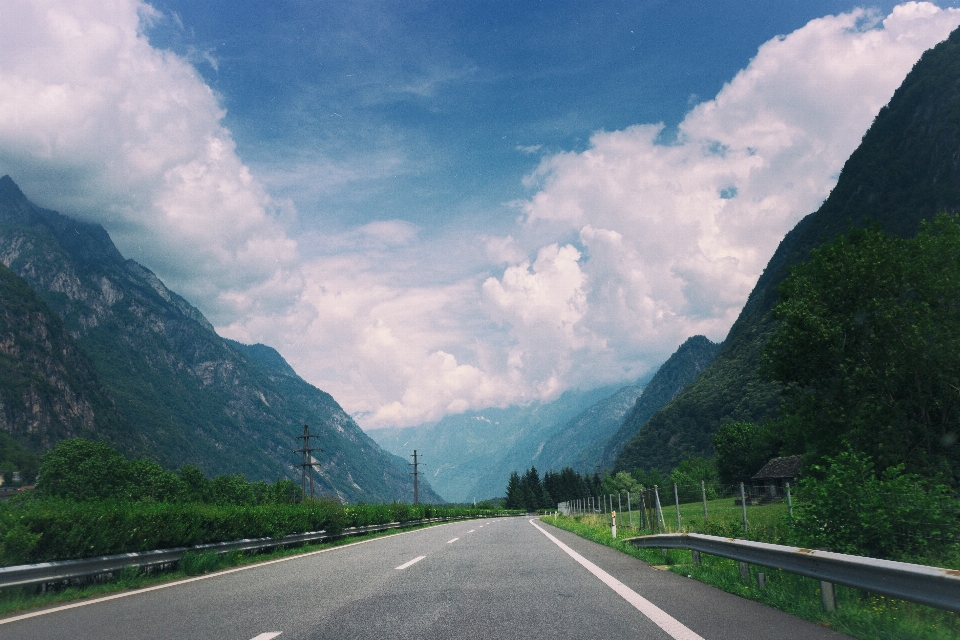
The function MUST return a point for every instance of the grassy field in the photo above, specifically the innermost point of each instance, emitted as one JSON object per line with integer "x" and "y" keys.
{"x": 769, "y": 522}
{"x": 858, "y": 614}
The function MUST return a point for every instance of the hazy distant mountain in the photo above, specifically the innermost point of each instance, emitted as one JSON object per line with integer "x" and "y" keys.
{"x": 163, "y": 384}
{"x": 470, "y": 455}
{"x": 579, "y": 443}
{"x": 905, "y": 170}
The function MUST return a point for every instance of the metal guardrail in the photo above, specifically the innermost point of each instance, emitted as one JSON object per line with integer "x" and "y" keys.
{"x": 64, "y": 570}
{"x": 931, "y": 586}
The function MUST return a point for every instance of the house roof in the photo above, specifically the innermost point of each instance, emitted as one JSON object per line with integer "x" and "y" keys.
{"x": 788, "y": 467}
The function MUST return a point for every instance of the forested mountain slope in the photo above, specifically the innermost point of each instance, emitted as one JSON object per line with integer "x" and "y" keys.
{"x": 176, "y": 392}
{"x": 905, "y": 170}
{"x": 673, "y": 376}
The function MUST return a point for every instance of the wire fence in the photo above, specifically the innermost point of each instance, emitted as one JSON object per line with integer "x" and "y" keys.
{"x": 887, "y": 525}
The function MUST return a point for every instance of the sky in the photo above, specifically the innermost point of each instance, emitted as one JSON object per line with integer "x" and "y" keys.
{"x": 430, "y": 207}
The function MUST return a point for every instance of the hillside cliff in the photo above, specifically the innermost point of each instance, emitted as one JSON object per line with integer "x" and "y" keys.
{"x": 175, "y": 391}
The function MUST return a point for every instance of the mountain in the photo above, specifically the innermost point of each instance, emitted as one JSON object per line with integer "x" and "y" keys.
{"x": 673, "y": 376}
{"x": 905, "y": 170}
{"x": 580, "y": 442}
{"x": 470, "y": 455}
{"x": 163, "y": 385}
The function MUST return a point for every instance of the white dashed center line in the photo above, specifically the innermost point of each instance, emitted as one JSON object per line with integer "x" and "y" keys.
{"x": 407, "y": 564}
{"x": 454, "y": 540}
{"x": 471, "y": 531}
{"x": 268, "y": 635}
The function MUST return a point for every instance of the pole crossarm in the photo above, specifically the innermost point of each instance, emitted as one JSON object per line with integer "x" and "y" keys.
{"x": 931, "y": 586}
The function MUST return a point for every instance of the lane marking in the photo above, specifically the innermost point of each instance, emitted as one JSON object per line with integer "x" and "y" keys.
{"x": 414, "y": 561}
{"x": 658, "y": 616}
{"x": 166, "y": 585}
{"x": 454, "y": 540}
{"x": 269, "y": 635}
{"x": 471, "y": 531}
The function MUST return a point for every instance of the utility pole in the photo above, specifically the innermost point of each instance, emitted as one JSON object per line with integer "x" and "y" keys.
{"x": 416, "y": 474}
{"x": 307, "y": 462}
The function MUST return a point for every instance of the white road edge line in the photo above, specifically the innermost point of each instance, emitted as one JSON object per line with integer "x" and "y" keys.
{"x": 269, "y": 635}
{"x": 661, "y": 618}
{"x": 454, "y": 540}
{"x": 407, "y": 564}
{"x": 83, "y": 603}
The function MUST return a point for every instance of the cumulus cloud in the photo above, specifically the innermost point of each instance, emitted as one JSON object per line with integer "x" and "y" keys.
{"x": 622, "y": 251}
{"x": 95, "y": 121}
{"x": 674, "y": 236}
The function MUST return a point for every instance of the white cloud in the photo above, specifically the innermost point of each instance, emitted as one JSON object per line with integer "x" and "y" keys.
{"x": 96, "y": 122}
{"x": 675, "y": 236}
{"x": 623, "y": 251}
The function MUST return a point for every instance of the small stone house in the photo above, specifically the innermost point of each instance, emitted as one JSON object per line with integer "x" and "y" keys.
{"x": 771, "y": 481}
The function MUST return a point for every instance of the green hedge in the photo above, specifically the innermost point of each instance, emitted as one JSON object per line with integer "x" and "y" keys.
{"x": 40, "y": 530}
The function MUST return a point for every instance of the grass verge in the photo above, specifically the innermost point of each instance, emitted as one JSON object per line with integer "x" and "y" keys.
{"x": 859, "y": 614}
{"x": 22, "y": 599}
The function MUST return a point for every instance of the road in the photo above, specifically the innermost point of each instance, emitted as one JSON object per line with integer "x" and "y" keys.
{"x": 497, "y": 578}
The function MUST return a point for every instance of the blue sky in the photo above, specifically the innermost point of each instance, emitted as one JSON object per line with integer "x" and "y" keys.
{"x": 428, "y": 102}
{"x": 433, "y": 207}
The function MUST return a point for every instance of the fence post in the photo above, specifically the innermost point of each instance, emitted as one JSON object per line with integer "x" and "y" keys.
{"x": 743, "y": 505}
{"x": 789, "y": 503}
{"x": 676, "y": 502}
{"x": 629, "y": 510}
{"x": 643, "y": 509}
{"x": 613, "y": 523}
{"x": 703, "y": 492}
{"x": 659, "y": 511}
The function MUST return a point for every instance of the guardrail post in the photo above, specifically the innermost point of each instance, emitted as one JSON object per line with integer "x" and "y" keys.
{"x": 744, "y": 570}
{"x": 828, "y": 596}
{"x": 696, "y": 556}
{"x": 762, "y": 580}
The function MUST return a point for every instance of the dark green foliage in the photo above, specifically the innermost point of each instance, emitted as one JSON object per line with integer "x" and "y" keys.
{"x": 514, "y": 496}
{"x": 80, "y": 469}
{"x": 39, "y": 530}
{"x": 868, "y": 349}
{"x": 630, "y": 448}
{"x": 742, "y": 450}
{"x": 849, "y": 508}
{"x": 904, "y": 171}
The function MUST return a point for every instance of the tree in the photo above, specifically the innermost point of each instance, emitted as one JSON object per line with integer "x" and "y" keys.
{"x": 742, "y": 450}
{"x": 868, "y": 348}
{"x": 147, "y": 480}
{"x": 80, "y": 469}
{"x": 514, "y": 496}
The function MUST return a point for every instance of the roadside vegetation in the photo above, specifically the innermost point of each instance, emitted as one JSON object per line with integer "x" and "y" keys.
{"x": 859, "y": 614}
{"x": 89, "y": 500}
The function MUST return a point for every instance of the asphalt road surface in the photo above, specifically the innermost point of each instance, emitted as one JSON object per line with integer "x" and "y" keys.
{"x": 497, "y": 578}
